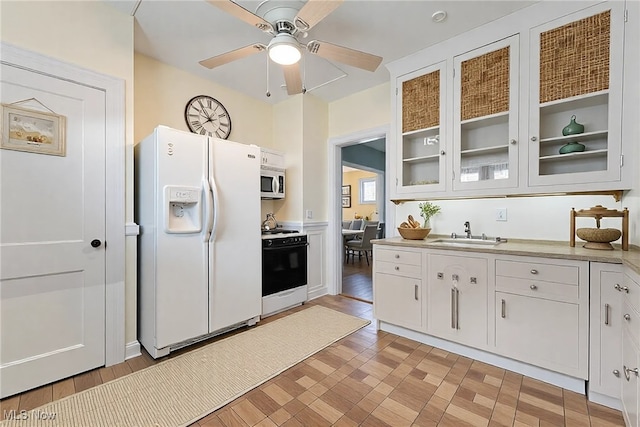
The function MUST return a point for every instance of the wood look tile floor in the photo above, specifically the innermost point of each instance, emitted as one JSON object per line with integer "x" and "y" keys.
{"x": 373, "y": 378}
{"x": 357, "y": 280}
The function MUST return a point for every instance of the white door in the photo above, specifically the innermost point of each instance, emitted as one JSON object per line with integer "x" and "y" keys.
{"x": 52, "y": 280}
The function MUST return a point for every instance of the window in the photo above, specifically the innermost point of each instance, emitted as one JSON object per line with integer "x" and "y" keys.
{"x": 367, "y": 191}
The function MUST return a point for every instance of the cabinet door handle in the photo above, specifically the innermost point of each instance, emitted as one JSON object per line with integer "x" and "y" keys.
{"x": 606, "y": 314}
{"x": 397, "y": 268}
{"x": 440, "y": 276}
{"x": 512, "y": 142}
{"x": 617, "y": 287}
{"x": 627, "y": 371}
{"x": 534, "y": 139}
{"x": 627, "y": 317}
{"x": 415, "y": 292}
{"x": 503, "y": 314}
{"x": 534, "y": 271}
{"x": 473, "y": 280}
{"x": 397, "y": 256}
{"x": 457, "y": 305}
{"x": 625, "y": 289}
{"x": 533, "y": 287}
{"x": 442, "y": 152}
{"x": 453, "y": 308}
{"x": 616, "y": 373}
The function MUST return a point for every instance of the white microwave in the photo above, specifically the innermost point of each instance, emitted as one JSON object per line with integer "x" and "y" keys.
{"x": 271, "y": 183}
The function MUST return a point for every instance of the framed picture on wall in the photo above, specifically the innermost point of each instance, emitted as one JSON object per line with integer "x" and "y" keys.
{"x": 32, "y": 131}
{"x": 346, "y": 201}
{"x": 346, "y": 190}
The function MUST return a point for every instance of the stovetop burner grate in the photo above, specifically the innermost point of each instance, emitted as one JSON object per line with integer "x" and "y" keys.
{"x": 278, "y": 231}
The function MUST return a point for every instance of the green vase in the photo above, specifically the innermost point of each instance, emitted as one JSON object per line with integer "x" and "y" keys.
{"x": 573, "y": 128}
{"x": 572, "y": 147}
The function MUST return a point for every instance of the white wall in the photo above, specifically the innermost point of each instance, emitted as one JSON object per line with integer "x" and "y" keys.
{"x": 98, "y": 37}
{"x": 315, "y": 117}
{"x": 540, "y": 218}
{"x": 364, "y": 110}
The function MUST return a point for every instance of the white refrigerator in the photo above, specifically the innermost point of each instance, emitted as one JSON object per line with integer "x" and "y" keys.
{"x": 197, "y": 202}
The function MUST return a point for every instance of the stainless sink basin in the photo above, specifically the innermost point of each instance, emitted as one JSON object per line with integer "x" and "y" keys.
{"x": 468, "y": 242}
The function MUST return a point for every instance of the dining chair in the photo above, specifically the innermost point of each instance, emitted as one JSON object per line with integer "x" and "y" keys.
{"x": 356, "y": 224}
{"x": 364, "y": 245}
{"x": 346, "y": 225}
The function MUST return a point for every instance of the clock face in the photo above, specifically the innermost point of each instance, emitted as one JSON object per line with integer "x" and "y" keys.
{"x": 207, "y": 116}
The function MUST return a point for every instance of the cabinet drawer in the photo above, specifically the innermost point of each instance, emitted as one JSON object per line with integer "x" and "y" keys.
{"x": 537, "y": 288}
{"x": 397, "y": 269}
{"x": 631, "y": 322}
{"x": 631, "y": 292}
{"x": 567, "y": 274}
{"x": 399, "y": 256}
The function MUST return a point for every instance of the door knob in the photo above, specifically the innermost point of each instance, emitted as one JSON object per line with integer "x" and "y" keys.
{"x": 96, "y": 243}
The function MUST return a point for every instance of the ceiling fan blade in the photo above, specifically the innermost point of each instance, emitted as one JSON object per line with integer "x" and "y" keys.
{"x": 292, "y": 78}
{"x": 240, "y": 12}
{"x": 314, "y": 11}
{"x": 225, "y": 58}
{"x": 345, "y": 55}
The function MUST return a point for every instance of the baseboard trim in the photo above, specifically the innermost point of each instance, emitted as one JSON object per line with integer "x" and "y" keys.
{"x": 132, "y": 349}
{"x": 602, "y": 399}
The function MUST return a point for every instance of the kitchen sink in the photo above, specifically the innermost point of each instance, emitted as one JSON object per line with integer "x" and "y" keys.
{"x": 468, "y": 242}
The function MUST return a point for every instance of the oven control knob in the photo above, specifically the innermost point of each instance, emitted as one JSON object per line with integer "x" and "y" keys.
{"x": 269, "y": 242}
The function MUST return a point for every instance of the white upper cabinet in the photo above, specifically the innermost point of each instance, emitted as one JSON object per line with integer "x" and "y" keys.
{"x": 421, "y": 147}
{"x": 576, "y": 75}
{"x": 485, "y": 130}
{"x": 483, "y": 113}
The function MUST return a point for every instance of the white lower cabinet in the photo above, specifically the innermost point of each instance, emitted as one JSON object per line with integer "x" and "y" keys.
{"x": 398, "y": 291}
{"x": 542, "y": 313}
{"x": 605, "y": 333}
{"x": 630, "y": 347}
{"x": 457, "y": 299}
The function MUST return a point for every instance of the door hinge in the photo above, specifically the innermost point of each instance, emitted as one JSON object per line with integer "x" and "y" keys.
{"x": 626, "y": 15}
{"x": 621, "y": 160}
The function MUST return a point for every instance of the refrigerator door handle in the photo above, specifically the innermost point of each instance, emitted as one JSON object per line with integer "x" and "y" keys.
{"x": 216, "y": 208}
{"x": 208, "y": 197}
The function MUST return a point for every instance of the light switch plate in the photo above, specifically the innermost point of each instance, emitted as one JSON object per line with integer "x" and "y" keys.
{"x": 501, "y": 214}
{"x": 309, "y": 214}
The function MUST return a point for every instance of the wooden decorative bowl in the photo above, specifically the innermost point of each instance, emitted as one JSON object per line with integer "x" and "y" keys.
{"x": 414, "y": 233}
{"x": 598, "y": 238}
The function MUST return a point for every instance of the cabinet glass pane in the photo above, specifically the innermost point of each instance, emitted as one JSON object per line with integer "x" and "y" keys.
{"x": 421, "y": 158}
{"x": 484, "y": 152}
{"x": 574, "y": 58}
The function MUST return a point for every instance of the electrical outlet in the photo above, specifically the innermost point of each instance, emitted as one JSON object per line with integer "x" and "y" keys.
{"x": 501, "y": 214}
{"x": 309, "y": 214}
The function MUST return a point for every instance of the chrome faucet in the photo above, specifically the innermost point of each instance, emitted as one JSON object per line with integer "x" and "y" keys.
{"x": 467, "y": 229}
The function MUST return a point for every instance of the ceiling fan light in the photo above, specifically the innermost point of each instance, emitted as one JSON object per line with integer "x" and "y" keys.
{"x": 284, "y": 49}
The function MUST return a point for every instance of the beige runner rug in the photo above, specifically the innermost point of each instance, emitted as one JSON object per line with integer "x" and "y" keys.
{"x": 180, "y": 391}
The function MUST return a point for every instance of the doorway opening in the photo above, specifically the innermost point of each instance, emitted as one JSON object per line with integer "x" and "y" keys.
{"x": 362, "y": 200}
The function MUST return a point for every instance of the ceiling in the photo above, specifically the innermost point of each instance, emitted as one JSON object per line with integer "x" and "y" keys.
{"x": 183, "y": 32}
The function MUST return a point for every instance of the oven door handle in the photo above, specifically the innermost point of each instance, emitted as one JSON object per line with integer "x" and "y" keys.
{"x": 277, "y": 248}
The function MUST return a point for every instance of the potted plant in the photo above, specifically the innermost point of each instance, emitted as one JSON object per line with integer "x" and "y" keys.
{"x": 427, "y": 210}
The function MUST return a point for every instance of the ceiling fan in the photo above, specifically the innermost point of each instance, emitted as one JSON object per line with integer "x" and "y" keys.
{"x": 287, "y": 21}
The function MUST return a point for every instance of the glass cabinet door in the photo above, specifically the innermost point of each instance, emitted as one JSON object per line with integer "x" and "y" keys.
{"x": 485, "y": 131}
{"x": 576, "y": 77}
{"x": 421, "y": 147}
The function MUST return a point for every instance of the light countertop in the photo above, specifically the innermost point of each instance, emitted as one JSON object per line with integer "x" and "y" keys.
{"x": 536, "y": 248}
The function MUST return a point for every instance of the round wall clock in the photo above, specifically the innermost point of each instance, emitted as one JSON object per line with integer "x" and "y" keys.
{"x": 207, "y": 116}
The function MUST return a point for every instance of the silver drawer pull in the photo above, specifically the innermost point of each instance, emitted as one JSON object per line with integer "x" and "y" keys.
{"x": 534, "y": 271}
{"x": 504, "y": 309}
{"x": 606, "y": 314}
{"x": 533, "y": 287}
{"x": 397, "y": 268}
{"x": 627, "y": 317}
{"x": 397, "y": 256}
{"x": 415, "y": 292}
